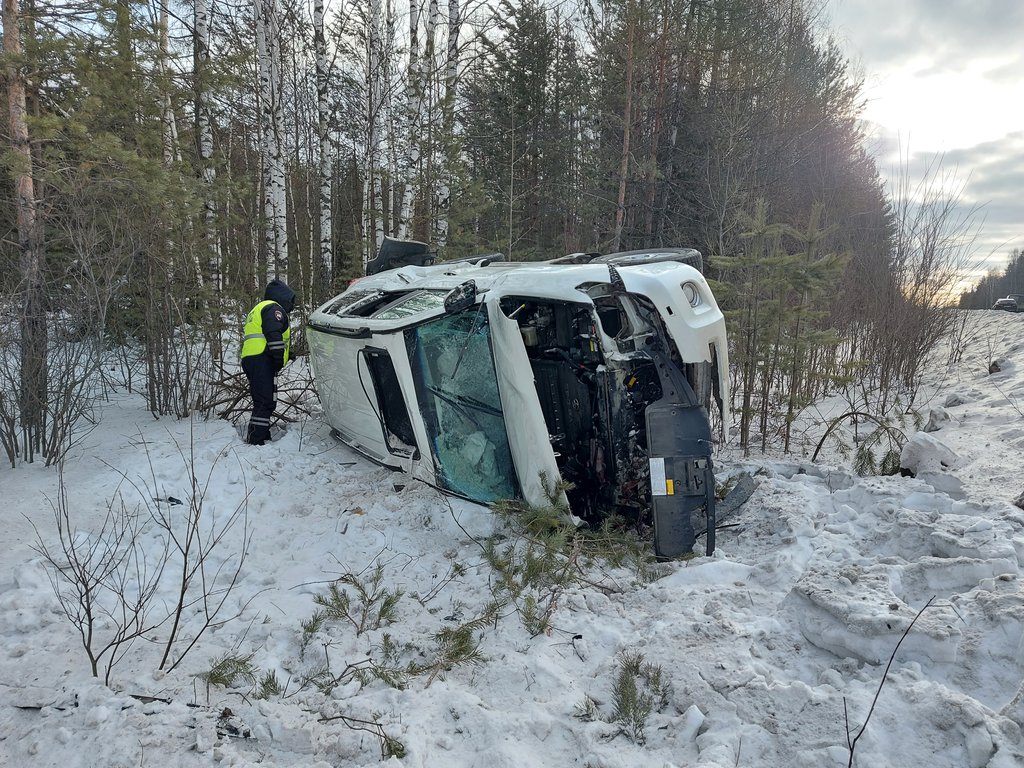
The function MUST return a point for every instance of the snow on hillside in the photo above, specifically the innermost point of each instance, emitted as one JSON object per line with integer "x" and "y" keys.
{"x": 768, "y": 650}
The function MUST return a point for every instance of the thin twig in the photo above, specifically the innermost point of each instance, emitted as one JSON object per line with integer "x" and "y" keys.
{"x": 853, "y": 744}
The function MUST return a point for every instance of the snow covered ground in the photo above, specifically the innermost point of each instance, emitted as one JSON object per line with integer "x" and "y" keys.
{"x": 769, "y": 651}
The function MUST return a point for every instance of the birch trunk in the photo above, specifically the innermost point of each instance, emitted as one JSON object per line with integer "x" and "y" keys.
{"x": 389, "y": 163}
{"x": 428, "y": 116}
{"x": 204, "y": 140}
{"x": 323, "y": 136}
{"x": 172, "y": 149}
{"x": 444, "y": 186}
{"x": 268, "y": 51}
{"x": 34, "y": 332}
{"x": 300, "y": 142}
{"x": 373, "y": 222}
{"x": 414, "y": 105}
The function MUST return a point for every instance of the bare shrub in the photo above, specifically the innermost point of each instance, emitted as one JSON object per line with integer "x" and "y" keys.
{"x": 71, "y": 388}
{"x": 180, "y": 360}
{"x": 93, "y": 254}
{"x": 105, "y": 580}
{"x": 229, "y": 395}
{"x": 8, "y": 407}
{"x": 962, "y": 336}
{"x": 205, "y": 578}
{"x": 124, "y": 367}
{"x": 108, "y": 581}
{"x": 906, "y": 310}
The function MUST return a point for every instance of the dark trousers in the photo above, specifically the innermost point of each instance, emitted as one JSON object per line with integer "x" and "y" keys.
{"x": 260, "y": 372}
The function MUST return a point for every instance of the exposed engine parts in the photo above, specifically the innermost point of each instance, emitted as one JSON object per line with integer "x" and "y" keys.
{"x": 594, "y": 403}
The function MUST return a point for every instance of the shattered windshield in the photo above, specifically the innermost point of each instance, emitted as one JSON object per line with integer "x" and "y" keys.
{"x": 457, "y": 388}
{"x": 411, "y": 304}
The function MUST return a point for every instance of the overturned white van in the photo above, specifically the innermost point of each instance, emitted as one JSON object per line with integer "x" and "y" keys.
{"x": 488, "y": 378}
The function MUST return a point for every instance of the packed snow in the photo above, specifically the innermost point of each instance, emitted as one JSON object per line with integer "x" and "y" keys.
{"x": 771, "y": 652}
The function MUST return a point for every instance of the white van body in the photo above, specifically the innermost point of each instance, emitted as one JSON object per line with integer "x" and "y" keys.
{"x": 596, "y": 373}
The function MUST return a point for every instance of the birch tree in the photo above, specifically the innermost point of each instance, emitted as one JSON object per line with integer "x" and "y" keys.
{"x": 172, "y": 148}
{"x": 414, "y": 104}
{"x": 323, "y": 137}
{"x": 444, "y": 184}
{"x": 373, "y": 195}
{"x": 268, "y": 52}
{"x": 204, "y": 141}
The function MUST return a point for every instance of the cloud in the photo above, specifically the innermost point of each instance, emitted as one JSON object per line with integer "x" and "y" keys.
{"x": 1008, "y": 73}
{"x": 943, "y": 80}
{"x": 992, "y": 175}
{"x": 931, "y": 35}
{"x": 981, "y": 183}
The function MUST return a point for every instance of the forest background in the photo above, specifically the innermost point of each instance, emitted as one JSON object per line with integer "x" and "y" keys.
{"x": 167, "y": 158}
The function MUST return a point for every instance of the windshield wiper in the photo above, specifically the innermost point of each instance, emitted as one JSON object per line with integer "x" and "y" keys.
{"x": 480, "y": 405}
{"x": 464, "y": 401}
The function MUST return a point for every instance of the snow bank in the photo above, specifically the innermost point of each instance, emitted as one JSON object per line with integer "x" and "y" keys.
{"x": 771, "y": 650}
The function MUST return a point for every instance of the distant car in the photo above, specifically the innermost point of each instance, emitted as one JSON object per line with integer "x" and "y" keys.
{"x": 493, "y": 380}
{"x": 1017, "y": 297}
{"x": 1008, "y": 304}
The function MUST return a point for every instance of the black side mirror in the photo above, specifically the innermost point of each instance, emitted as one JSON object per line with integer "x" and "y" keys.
{"x": 460, "y": 297}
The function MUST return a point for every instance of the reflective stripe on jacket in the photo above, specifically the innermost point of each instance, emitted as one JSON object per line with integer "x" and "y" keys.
{"x": 253, "y": 340}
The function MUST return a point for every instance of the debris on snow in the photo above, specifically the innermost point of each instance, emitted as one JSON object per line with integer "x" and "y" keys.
{"x": 937, "y": 419}
{"x": 924, "y": 453}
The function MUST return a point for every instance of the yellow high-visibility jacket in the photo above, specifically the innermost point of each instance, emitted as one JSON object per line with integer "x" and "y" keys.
{"x": 266, "y": 330}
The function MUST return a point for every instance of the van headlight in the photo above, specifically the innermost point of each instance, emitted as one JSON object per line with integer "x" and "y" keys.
{"x": 692, "y": 294}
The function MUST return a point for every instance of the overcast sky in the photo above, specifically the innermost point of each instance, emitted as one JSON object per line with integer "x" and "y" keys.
{"x": 946, "y": 77}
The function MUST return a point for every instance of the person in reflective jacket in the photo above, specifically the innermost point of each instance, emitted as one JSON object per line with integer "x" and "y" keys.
{"x": 265, "y": 351}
